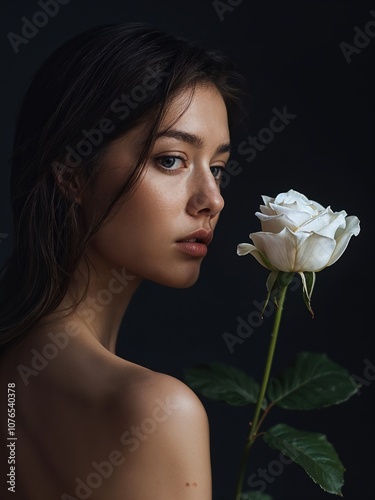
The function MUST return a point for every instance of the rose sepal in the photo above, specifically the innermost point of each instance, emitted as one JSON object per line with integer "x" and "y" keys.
{"x": 276, "y": 280}
{"x": 308, "y": 283}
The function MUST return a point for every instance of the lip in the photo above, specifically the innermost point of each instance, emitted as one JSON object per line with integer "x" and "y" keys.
{"x": 201, "y": 235}
{"x": 196, "y": 248}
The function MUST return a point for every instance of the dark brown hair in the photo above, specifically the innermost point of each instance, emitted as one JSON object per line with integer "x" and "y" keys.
{"x": 90, "y": 91}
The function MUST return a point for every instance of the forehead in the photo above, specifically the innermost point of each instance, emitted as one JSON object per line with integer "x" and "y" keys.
{"x": 200, "y": 110}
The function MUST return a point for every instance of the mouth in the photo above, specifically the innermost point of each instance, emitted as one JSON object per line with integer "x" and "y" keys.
{"x": 195, "y": 244}
{"x": 202, "y": 236}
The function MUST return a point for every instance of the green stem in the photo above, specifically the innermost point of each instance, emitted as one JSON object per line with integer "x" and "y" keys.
{"x": 262, "y": 391}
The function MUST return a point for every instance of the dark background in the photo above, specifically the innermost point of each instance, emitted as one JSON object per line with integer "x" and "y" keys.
{"x": 290, "y": 53}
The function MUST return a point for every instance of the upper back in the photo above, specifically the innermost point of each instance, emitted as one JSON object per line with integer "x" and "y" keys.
{"x": 92, "y": 425}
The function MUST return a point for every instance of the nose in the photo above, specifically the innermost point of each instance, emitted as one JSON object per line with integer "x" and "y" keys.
{"x": 205, "y": 197}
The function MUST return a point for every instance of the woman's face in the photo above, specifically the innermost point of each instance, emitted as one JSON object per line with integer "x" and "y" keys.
{"x": 178, "y": 194}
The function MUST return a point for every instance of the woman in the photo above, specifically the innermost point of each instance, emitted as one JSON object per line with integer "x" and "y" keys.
{"x": 115, "y": 178}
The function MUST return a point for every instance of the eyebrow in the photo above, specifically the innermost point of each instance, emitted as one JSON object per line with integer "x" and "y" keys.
{"x": 193, "y": 139}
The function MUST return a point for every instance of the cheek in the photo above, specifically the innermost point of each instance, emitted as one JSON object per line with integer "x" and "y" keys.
{"x": 142, "y": 226}
{"x": 154, "y": 208}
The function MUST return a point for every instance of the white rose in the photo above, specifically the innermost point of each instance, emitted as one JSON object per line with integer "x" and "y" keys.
{"x": 299, "y": 235}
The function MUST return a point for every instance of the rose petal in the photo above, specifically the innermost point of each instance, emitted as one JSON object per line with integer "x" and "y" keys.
{"x": 314, "y": 253}
{"x": 304, "y": 211}
{"x": 279, "y": 248}
{"x": 326, "y": 223}
{"x": 294, "y": 252}
{"x": 267, "y": 199}
{"x": 266, "y": 210}
{"x": 245, "y": 248}
{"x": 343, "y": 236}
{"x": 293, "y": 196}
{"x": 276, "y": 223}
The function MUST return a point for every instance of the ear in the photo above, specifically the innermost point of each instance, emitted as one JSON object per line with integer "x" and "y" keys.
{"x": 68, "y": 181}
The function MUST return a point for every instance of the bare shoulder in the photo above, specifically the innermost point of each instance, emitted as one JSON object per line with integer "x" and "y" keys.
{"x": 163, "y": 398}
{"x": 153, "y": 387}
{"x": 166, "y": 444}
{"x": 144, "y": 434}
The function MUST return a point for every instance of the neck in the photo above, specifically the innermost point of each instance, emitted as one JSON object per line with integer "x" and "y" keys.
{"x": 109, "y": 292}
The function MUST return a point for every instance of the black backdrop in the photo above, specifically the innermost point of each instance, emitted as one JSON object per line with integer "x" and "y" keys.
{"x": 293, "y": 56}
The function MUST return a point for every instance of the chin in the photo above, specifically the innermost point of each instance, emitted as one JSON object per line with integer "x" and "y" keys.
{"x": 186, "y": 284}
{"x": 179, "y": 283}
{"x": 178, "y": 279}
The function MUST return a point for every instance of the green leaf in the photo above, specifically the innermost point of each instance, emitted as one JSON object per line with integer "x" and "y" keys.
{"x": 311, "y": 451}
{"x": 312, "y": 382}
{"x": 222, "y": 382}
{"x": 254, "y": 495}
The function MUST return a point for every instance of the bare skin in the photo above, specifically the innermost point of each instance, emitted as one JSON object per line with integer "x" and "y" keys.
{"x": 90, "y": 424}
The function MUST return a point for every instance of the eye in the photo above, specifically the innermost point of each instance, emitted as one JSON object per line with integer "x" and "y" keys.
{"x": 170, "y": 162}
{"x": 217, "y": 172}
